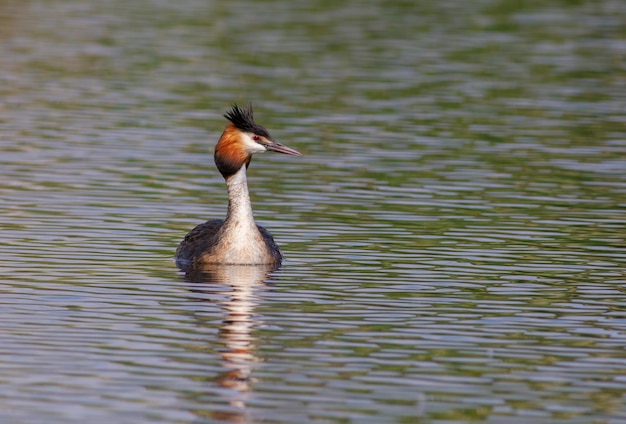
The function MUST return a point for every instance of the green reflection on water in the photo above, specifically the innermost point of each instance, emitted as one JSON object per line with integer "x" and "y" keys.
{"x": 461, "y": 189}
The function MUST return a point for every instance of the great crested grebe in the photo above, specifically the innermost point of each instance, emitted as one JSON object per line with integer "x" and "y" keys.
{"x": 237, "y": 239}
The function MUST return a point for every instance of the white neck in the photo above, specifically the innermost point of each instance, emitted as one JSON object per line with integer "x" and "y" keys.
{"x": 240, "y": 241}
{"x": 239, "y": 207}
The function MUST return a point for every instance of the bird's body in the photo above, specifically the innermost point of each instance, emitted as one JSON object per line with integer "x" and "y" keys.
{"x": 237, "y": 239}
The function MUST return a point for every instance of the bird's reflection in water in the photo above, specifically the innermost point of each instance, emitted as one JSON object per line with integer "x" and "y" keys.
{"x": 234, "y": 288}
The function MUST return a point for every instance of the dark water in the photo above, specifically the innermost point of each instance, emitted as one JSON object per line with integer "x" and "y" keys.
{"x": 454, "y": 233}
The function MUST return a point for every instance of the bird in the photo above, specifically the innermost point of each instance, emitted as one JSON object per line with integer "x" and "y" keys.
{"x": 236, "y": 240}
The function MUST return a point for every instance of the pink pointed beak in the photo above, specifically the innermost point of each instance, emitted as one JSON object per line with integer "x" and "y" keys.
{"x": 281, "y": 148}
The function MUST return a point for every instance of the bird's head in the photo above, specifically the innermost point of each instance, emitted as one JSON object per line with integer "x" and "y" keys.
{"x": 242, "y": 138}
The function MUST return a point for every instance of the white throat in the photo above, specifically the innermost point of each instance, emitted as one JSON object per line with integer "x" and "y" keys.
{"x": 241, "y": 240}
{"x": 239, "y": 206}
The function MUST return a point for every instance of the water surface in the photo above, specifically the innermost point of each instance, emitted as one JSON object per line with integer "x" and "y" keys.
{"x": 454, "y": 232}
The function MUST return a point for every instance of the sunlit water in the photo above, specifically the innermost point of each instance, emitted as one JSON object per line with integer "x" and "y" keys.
{"x": 454, "y": 233}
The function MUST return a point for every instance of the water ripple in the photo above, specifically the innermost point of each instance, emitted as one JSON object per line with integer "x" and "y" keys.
{"x": 453, "y": 233}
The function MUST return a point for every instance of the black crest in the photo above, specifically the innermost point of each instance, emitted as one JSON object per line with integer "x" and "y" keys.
{"x": 243, "y": 119}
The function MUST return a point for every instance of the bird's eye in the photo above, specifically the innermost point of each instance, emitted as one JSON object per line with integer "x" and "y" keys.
{"x": 256, "y": 137}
